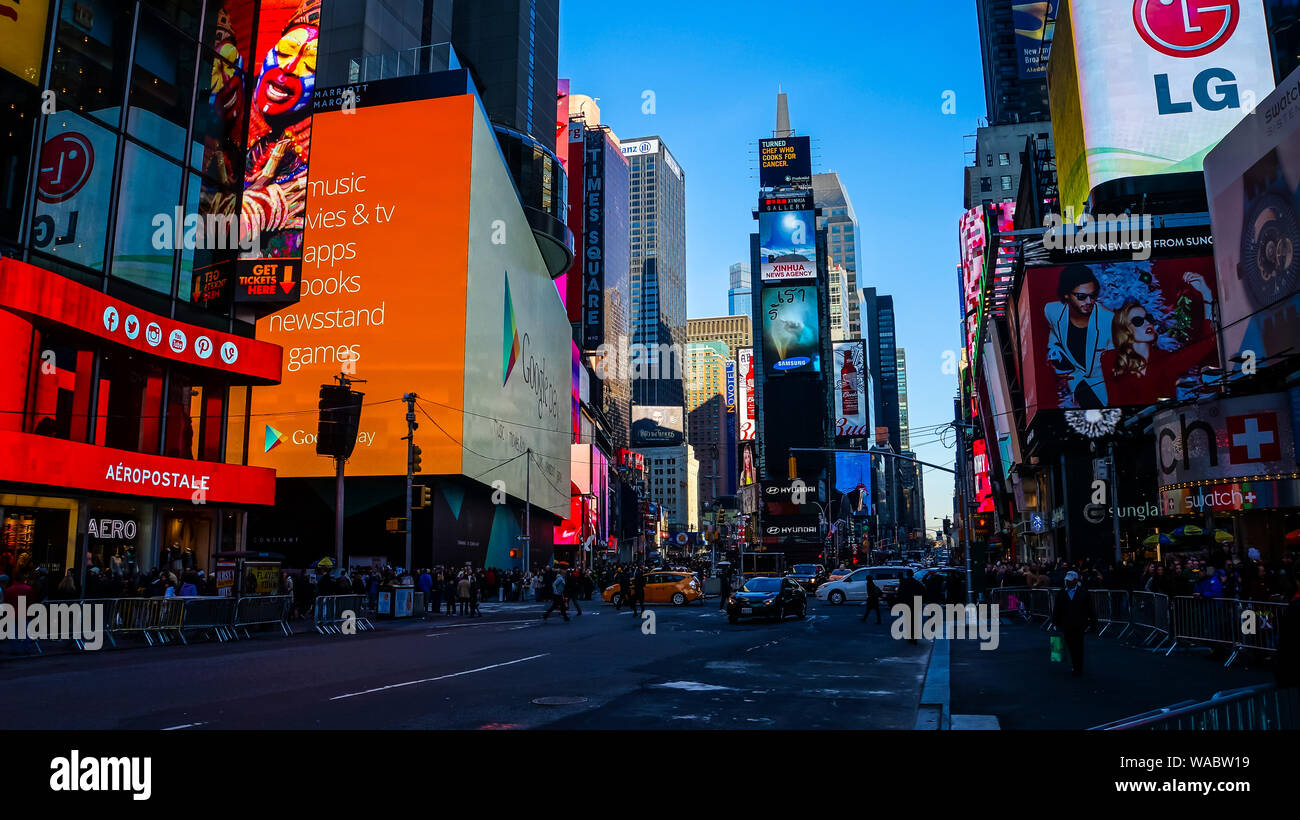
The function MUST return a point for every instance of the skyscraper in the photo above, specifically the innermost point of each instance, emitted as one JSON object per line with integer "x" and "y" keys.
{"x": 841, "y": 225}
{"x": 903, "y": 435}
{"x": 839, "y": 303}
{"x": 740, "y": 300}
{"x": 657, "y": 240}
{"x": 707, "y": 417}
{"x": 882, "y": 349}
{"x": 1013, "y": 91}
{"x": 512, "y": 49}
{"x": 735, "y": 331}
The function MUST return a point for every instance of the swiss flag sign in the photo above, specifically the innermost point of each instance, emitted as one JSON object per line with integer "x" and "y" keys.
{"x": 1253, "y": 437}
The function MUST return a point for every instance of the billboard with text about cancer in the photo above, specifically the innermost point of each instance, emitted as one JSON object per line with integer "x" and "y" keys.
{"x": 784, "y": 162}
{"x": 1253, "y": 182}
{"x": 787, "y": 245}
{"x": 1118, "y": 333}
{"x": 1142, "y": 87}
{"x": 476, "y": 329}
{"x": 791, "y": 333}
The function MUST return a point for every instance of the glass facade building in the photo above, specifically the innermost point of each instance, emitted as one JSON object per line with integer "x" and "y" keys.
{"x": 840, "y": 222}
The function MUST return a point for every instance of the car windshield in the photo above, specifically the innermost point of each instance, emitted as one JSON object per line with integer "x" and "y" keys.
{"x": 805, "y": 569}
{"x": 763, "y": 585}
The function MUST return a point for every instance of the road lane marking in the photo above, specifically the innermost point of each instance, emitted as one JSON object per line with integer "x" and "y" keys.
{"x": 183, "y": 726}
{"x": 485, "y": 623}
{"x": 440, "y": 677}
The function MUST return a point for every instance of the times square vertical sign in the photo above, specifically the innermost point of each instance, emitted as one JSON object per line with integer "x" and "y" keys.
{"x": 593, "y": 267}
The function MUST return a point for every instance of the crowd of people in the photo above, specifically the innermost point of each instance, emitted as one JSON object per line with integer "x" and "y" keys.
{"x": 1215, "y": 573}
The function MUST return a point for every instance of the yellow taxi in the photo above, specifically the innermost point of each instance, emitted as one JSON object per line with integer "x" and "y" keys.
{"x": 663, "y": 587}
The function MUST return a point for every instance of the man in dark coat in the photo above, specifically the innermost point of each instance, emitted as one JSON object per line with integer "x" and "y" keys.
{"x": 909, "y": 590}
{"x": 1072, "y": 614}
{"x": 624, "y": 589}
{"x": 638, "y": 590}
{"x": 724, "y": 588}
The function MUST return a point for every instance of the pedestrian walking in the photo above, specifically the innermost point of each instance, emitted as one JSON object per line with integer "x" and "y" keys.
{"x": 910, "y": 592}
{"x": 462, "y": 593}
{"x": 1073, "y": 615}
{"x": 475, "y": 593}
{"x": 557, "y": 598}
{"x": 873, "y": 600}
{"x": 573, "y": 590}
{"x": 638, "y": 591}
{"x": 624, "y": 580}
{"x": 724, "y": 588}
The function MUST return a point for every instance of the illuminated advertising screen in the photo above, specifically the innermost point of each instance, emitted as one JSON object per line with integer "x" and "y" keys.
{"x": 974, "y": 231}
{"x": 22, "y": 30}
{"x": 1225, "y": 440}
{"x": 657, "y": 425}
{"x": 983, "y": 486}
{"x": 1150, "y": 86}
{"x": 1034, "y": 23}
{"x": 731, "y": 387}
{"x": 747, "y": 418}
{"x": 1252, "y": 179}
{"x": 791, "y": 333}
{"x": 850, "y": 393}
{"x": 274, "y": 205}
{"x": 477, "y": 331}
{"x": 787, "y": 245}
{"x": 748, "y": 464}
{"x": 1116, "y": 334}
{"x": 784, "y": 162}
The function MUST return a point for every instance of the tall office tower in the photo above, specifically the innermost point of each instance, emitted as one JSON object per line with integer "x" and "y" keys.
{"x": 883, "y": 352}
{"x": 999, "y": 155}
{"x": 512, "y": 49}
{"x": 841, "y": 225}
{"x": 903, "y": 435}
{"x": 707, "y": 417}
{"x": 673, "y": 482}
{"x": 740, "y": 296}
{"x": 1015, "y": 76}
{"x": 364, "y": 40}
{"x": 734, "y": 331}
{"x": 839, "y": 313}
{"x": 657, "y": 239}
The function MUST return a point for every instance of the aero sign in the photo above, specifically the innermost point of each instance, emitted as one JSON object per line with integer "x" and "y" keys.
{"x": 1150, "y": 86}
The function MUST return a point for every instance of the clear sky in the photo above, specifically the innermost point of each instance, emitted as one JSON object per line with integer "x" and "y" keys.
{"x": 866, "y": 80}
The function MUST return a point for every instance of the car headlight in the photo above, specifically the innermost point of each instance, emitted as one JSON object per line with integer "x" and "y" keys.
{"x": 694, "y": 585}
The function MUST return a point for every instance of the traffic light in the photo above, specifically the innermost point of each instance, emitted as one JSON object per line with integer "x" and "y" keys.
{"x": 395, "y": 525}
{"x": 340, "y": 418}
{"x": 514, "y": 553}
{"x": 426, "y": 497}
{"x": 421, "y": 496}
{"x": 793, "y": 468}
{"x": 414, "y": 466}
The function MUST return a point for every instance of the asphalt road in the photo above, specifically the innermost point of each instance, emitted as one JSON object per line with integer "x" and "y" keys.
{"x": 696, "y": 672}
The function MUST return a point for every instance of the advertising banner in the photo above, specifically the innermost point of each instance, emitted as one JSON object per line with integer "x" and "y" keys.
{"x": 850, "y": 396}
{"x": 22, "y": 30}
{"x": 1115, "y": 334}
{"x": 748, "y": 465}
{"x": 784, "y": 163}
{"x": 788, "y": 245}
{"x": 983, "y": 486}
{"x": 593, "y": 263}
{"x": 1034, "y": 24}
{"x": 974, "y": 234}
{"x": 791, "y": 333}
{"x": 731, "y": 387}
{"x": 492, "y": 373}
{"x": 657, "y": 425}
{"x": 1253, "y": 182}
{"x": 1235, "y": 438}
{"x": 1150, "y": 86}
{"x": 274, "y": 203}
{"x": 747, "y": 419}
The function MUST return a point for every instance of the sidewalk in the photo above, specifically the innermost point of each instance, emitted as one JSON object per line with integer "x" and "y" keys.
{"x": 1020, "y": 685}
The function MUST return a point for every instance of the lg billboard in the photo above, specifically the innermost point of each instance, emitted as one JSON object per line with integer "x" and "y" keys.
{"x": 1150, "y": 86}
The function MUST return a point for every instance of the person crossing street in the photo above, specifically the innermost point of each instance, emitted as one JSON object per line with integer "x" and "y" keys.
{"x": 557, "y": 598}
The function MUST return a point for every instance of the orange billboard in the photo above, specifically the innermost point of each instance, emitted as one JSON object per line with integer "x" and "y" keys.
{"x": 420, "y": 274}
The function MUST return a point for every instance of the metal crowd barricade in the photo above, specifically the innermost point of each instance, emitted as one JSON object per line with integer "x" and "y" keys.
{"x": 169, "y": 615}
{"x": 136, "y": 616}
{"x": 1150, "y": 611}
{"x": 209, "y": 616}
{"x": 262, "y": 609}
{"x": 1040, "y": 604}
{"x": 1255, "y": 708}
{"x": 1112, "y": 608}
{"x": 1265, "y": 624}
{"x": 59, "y": 623}
{"x": 1205, "y": 620}
{"x": 329, "y": 614}
{"x": 1012, "y": 601}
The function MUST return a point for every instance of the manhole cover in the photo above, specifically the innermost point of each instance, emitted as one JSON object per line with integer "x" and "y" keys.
{"x": 559, "y": 701}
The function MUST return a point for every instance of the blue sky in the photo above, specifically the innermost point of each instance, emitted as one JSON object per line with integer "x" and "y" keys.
{"x": 866, "y": 80}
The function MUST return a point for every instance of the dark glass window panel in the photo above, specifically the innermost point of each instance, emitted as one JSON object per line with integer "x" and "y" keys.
{"x": 147, "y": 200}
{"x": 60, "y": 387}
{"x": 130, "y": 401}
{"x": 208, "y": 270}
{"x": 161, "y": 87}
{"x": 19, "y": 109}
{"x": 183, "y": 14}
{"x": 184, "y": 410}
{"x": 74, "y": 181}
{"x": 89, "y": 64}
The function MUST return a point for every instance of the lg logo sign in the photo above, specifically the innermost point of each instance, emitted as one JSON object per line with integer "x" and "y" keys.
{"x": 1190, "y": 28}
{"x": 1185, "y": 28}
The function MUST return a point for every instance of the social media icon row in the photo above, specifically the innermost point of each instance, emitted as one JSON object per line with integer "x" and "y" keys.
{"x": 177, "y": 340}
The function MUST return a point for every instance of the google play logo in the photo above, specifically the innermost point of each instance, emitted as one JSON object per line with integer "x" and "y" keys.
{"x": 274, "y": 438}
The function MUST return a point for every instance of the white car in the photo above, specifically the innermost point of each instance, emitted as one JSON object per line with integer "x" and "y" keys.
{"x": 854, "y": 587}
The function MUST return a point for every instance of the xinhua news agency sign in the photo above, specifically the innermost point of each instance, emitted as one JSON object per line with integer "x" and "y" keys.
{"x": 593, "y": 265}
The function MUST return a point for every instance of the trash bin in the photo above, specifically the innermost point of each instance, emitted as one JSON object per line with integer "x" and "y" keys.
{"x": 396, "y": 602}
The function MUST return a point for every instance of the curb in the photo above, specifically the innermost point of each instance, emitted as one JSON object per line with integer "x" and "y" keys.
{"x": 934, "y": 710}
